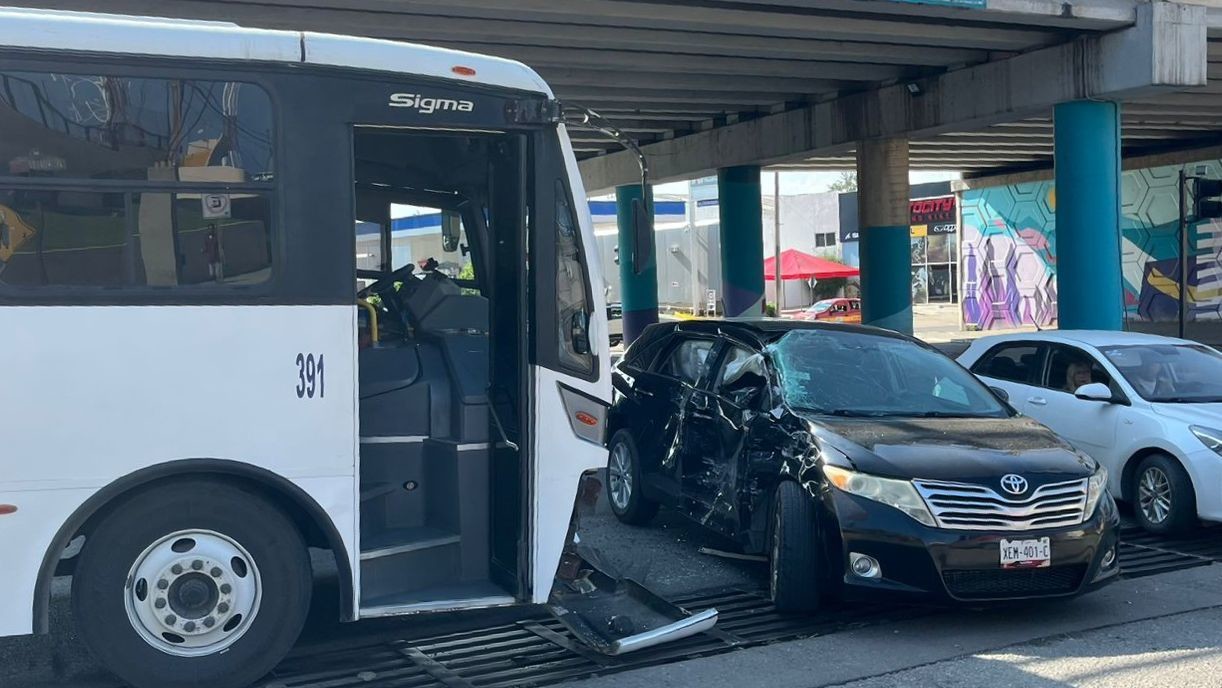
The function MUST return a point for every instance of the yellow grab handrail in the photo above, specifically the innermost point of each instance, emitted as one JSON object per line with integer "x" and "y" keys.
{"x": 373, "y": 318}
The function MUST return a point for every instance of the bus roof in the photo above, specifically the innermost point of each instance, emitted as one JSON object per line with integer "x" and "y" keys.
{"x": 128, "y": 35}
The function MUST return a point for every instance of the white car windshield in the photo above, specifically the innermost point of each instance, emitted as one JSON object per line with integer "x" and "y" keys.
{"x": 1170, "y": 373}
{"x": 853, "y": 374}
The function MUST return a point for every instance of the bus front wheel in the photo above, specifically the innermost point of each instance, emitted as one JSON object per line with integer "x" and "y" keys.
{"x": 193, "y": 583}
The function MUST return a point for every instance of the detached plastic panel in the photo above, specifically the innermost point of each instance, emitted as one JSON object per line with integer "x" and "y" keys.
{"x": 615, "y": 617}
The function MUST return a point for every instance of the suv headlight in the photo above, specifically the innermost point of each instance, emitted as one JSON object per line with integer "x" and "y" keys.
{"x": 900, "y": 494}
{"x": 1209, "y": 437}
{"x": 1096, "y": 487}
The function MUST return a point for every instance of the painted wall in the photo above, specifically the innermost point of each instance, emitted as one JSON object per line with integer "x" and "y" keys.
{"x": 1009, "y": 264}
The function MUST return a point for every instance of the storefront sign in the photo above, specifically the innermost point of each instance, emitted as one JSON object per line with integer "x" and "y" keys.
{"x": 929, "y": 216}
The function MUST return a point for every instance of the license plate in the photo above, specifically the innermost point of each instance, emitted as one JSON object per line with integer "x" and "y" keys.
{"x": 1026, "y": 554}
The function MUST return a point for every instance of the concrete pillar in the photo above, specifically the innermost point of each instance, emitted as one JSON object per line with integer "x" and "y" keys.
{"x": 638, "y": 292}
{"x": 1090, "y": 293}
{"x": 742, "y": 241}
{"x": 886, "y": 257}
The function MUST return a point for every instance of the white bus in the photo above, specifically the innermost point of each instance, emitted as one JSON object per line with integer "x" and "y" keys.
{"x": 203, "y": 379}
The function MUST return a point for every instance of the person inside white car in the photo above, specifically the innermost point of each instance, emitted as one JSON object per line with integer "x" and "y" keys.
{"x": 1076, "y": 375}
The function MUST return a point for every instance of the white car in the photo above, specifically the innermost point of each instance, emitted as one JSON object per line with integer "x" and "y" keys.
{"x": 1148, "y": 408}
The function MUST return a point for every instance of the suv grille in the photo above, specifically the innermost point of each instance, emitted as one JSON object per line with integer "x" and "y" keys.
{"x": 975, "y": 507}
{"x": 1001, "y": 583}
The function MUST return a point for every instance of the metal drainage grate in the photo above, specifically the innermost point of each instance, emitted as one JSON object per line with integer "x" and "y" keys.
{"x": 540, "y": 651}
{"x": 1145, "y": 554}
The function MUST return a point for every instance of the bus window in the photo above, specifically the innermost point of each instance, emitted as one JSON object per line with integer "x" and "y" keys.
{"x": 187, "y": 162}
{"x": 572, "y": 299}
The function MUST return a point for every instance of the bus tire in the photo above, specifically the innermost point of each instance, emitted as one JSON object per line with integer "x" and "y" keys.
{"x": 625, "y": 489}
{"x": 795, "y": 572}
{"x": 193, "y": 583}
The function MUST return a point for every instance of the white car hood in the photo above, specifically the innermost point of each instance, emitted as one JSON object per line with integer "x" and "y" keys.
{"x": 1209, "y": 415}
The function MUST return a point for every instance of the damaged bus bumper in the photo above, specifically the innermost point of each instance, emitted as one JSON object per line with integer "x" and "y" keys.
{"x": 614, "y": 616}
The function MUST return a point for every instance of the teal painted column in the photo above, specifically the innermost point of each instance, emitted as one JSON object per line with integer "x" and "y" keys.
{"x": 1090, "y": 293}
{"x": 885, "y": 248}
{"x": 638, "y": 292}
{"x": 742, "y": 241}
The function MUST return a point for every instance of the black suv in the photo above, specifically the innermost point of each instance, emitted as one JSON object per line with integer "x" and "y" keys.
{"x": 858, "y": 459}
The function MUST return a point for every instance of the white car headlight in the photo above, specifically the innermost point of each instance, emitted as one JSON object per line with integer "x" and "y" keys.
{"x": 1096, "y": 487}
{"x": 1209, "y": 437}
{"x": 900, "y": 494}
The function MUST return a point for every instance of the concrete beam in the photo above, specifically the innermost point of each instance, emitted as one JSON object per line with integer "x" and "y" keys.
{"x": 561, "y": 78}
{"x": 1088, "y": 14}
{"x": 859, "y": 26}
{"x": 1164, "y": 51}
{"x": 636, "y": 61}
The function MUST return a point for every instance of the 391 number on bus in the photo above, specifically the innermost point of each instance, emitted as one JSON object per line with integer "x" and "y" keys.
{"x": 310, "y": 378}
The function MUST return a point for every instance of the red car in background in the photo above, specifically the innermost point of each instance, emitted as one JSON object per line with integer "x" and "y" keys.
{"x": 833, "y": 310}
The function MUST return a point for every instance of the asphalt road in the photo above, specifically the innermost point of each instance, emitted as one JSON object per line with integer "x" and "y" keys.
{"x": 1159, "y": 631}
{"x": 1157, "y": 617}
{"x": 1178, "y": 651}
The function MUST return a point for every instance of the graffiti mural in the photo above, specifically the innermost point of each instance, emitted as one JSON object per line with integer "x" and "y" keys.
{"x": 1150, "y": 251}
{"x": 1009, "y": 252}
{"x": 1009, "y": 255}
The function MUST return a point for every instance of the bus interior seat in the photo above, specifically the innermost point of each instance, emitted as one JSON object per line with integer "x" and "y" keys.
{"x": 436, "y": 303}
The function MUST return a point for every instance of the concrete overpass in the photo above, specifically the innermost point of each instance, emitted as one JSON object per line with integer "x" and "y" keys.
{"x": 883, "y": 85}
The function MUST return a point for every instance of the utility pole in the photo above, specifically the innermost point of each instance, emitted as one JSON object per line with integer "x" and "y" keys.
{"x": 776, "y": 242}
{"x": 689, "y": 209}
{"x": 1183, "y": 237}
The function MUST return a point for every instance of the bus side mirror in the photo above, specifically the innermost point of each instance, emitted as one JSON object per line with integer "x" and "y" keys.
{"x": 642, "y": 237}
{"x": 451, "y": 231}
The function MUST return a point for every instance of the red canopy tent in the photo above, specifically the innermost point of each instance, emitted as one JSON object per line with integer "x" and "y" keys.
{"x": 798, "y": 265}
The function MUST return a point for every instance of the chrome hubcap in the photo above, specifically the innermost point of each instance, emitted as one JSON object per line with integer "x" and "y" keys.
{"x": 620, "y": 475}
{"x": 193, "y": 593}
{"x": 1154, "y": 495}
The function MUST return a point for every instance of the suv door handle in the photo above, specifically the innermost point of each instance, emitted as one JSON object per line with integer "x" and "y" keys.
{"x": 1037, "y": 401}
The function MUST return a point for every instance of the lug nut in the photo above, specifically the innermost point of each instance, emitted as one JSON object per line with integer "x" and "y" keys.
{"x": 209, "y": 622}
{"x": 163, "y": 584}
{"x": 226, "y": 589}
{"x": 171, "y": 620}
{"x": 189, "y": 627}
{"x": 160, "y": 604}
{"x": 176, "y": 569}
{"x": 223, "y": 608}
{"x": 216, "y": 572}
{"x": 197, "y": 565}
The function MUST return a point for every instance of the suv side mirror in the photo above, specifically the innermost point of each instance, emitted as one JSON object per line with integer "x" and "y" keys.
{"x": 1005, "y": 396}
{"x": 1095, "y": 391}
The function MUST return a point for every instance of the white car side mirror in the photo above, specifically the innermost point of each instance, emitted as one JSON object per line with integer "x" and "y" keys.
{"x": 1095, "y": 391}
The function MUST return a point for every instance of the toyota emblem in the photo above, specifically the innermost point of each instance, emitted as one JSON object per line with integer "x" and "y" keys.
{"x": 1014, "y": 484}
